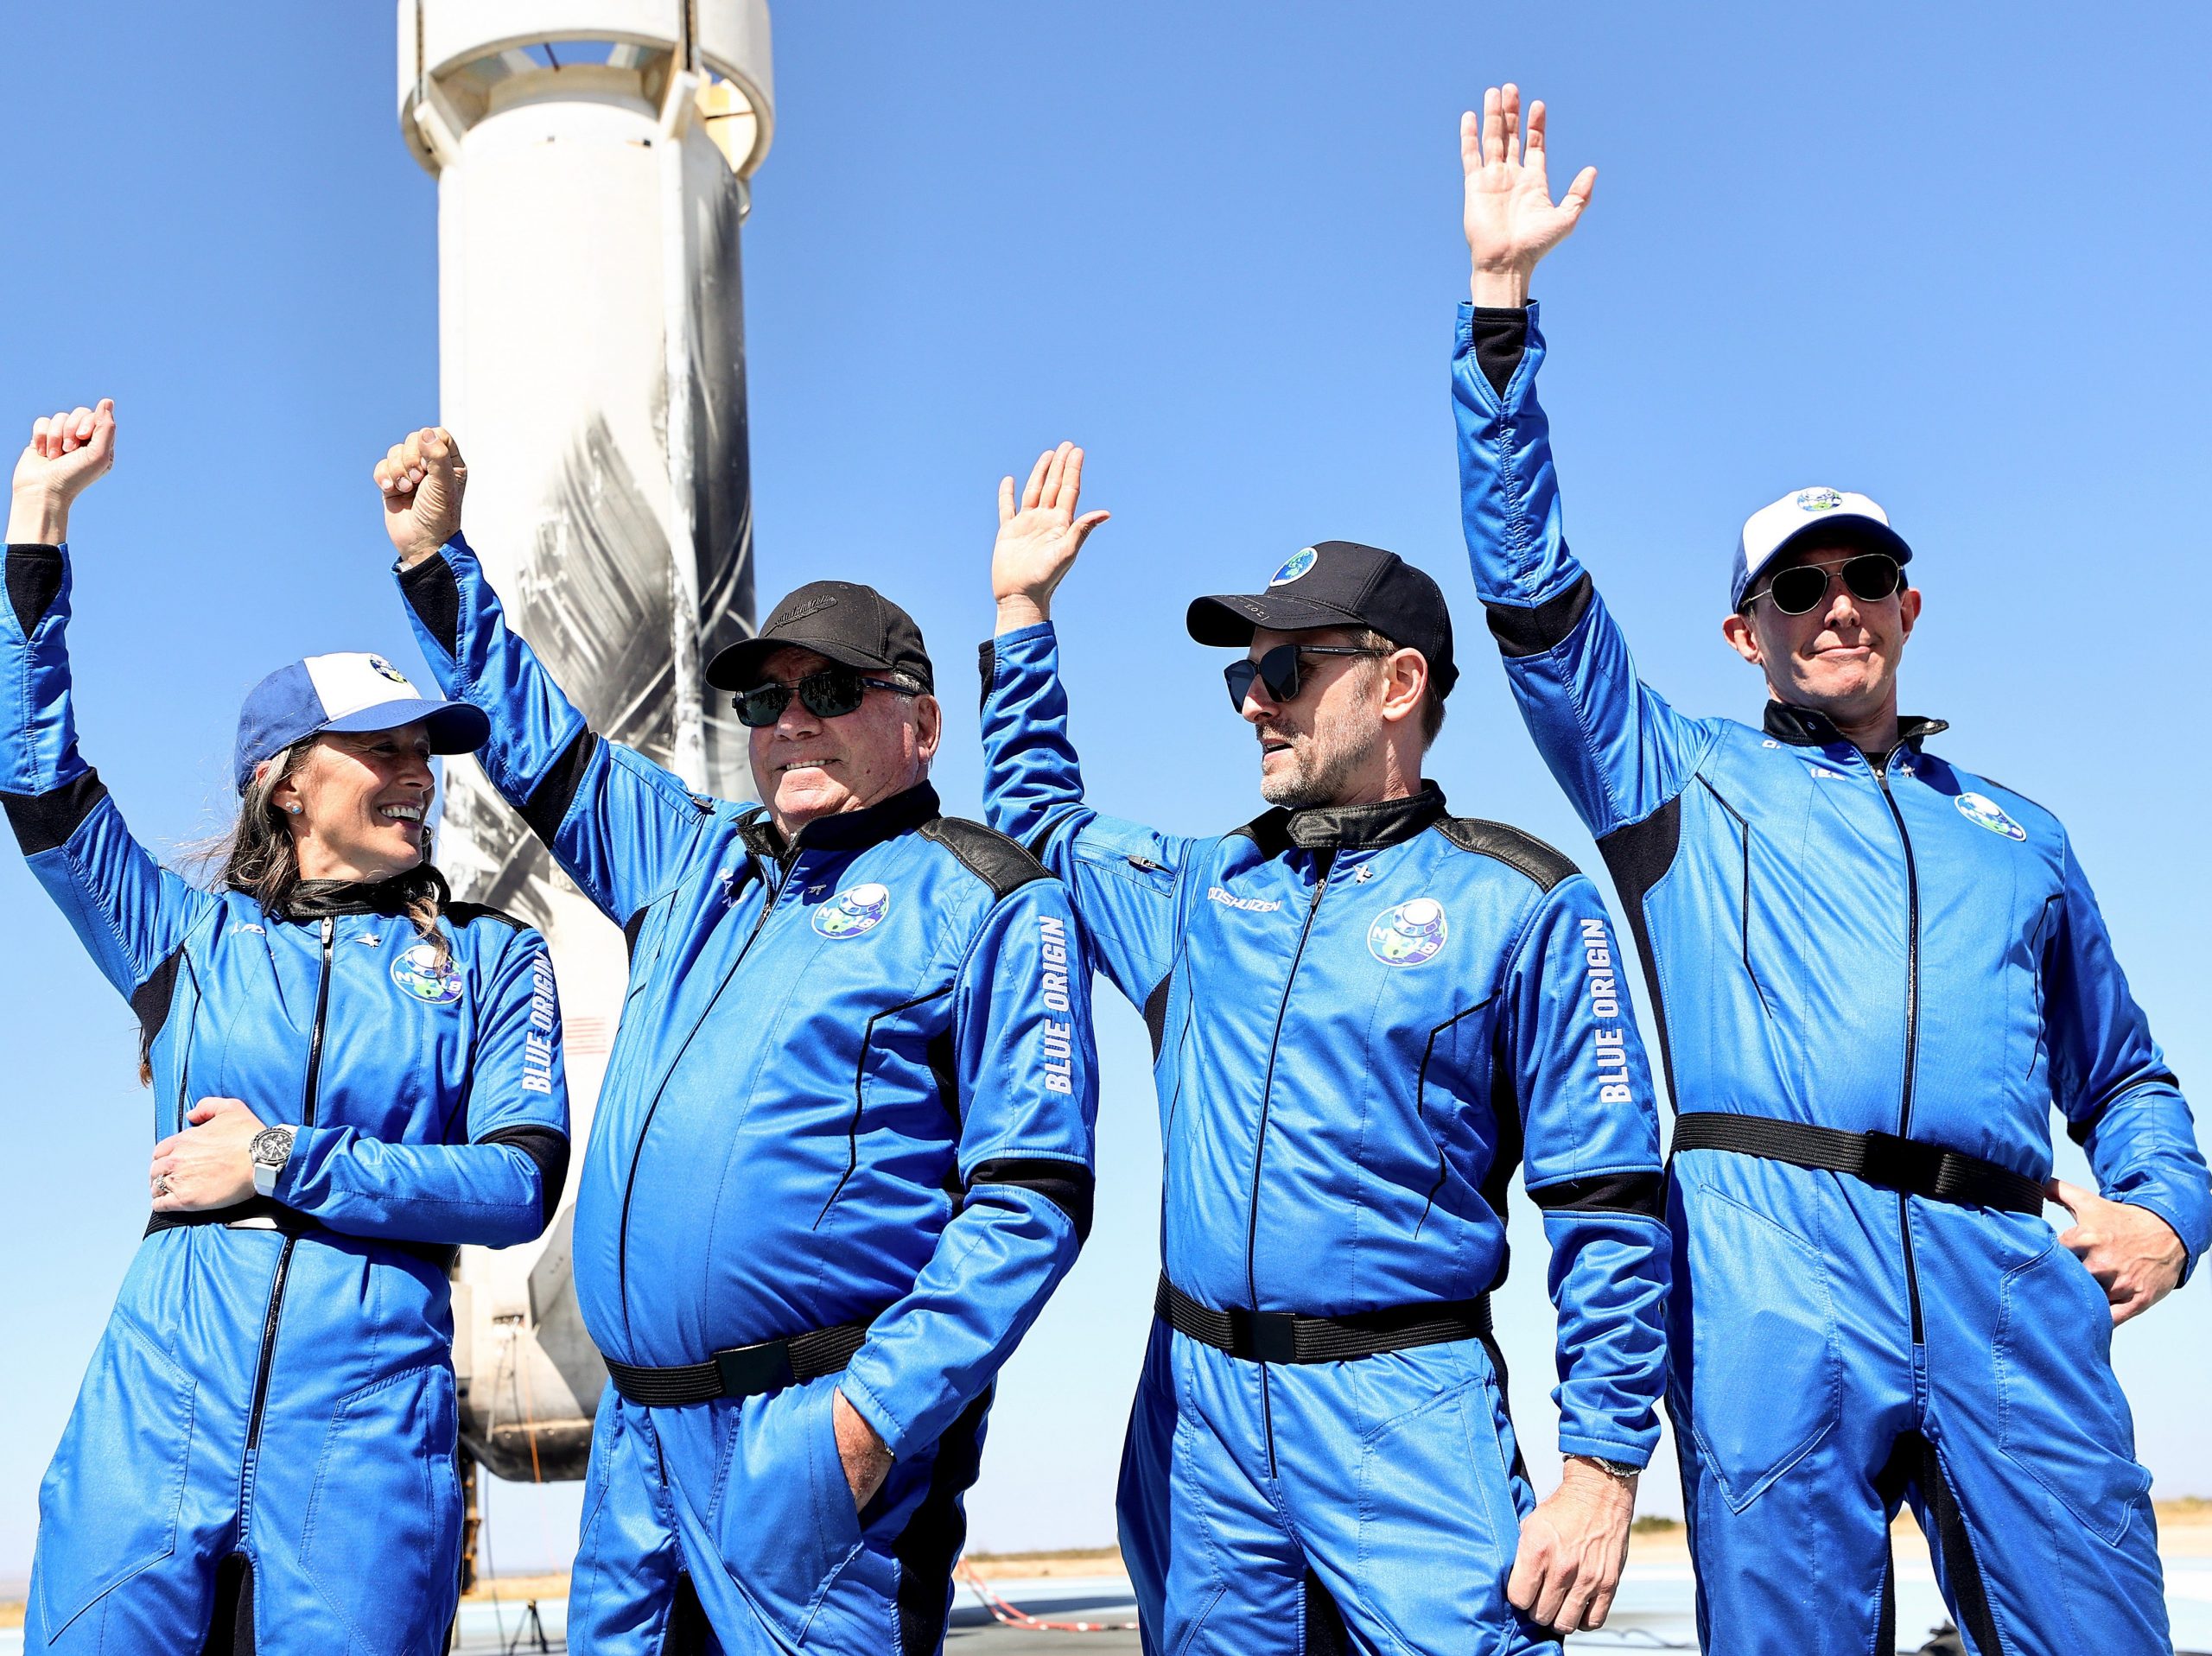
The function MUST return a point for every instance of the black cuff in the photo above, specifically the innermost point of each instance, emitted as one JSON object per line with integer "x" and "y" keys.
{"x": 1501, "y": 335}
{"x": 34, "y": 579}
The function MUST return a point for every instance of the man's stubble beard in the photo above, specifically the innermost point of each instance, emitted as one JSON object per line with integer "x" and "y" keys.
{"x": 1318, "y": 775}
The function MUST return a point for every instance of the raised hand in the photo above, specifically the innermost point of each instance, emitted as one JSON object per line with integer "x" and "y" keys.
{"x": 1039, "y": 539}
{"x": 423, "y": 479}
{"x": 67, "y": 455}
{"x": 1511, "y": 220}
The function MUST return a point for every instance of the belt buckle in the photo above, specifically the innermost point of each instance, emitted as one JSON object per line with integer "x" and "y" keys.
{"x": 1274, "y": 1336}
{"x": 748, "y": 1371}
{"x": 1903, "y": 1164}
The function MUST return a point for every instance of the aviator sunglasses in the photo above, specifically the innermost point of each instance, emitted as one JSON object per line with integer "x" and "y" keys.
{"x": 1872, "y": 577}
{"x": 1278, "y": 670}
{"x": 830, "y": 694}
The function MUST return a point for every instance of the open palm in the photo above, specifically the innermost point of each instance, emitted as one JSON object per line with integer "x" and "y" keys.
{"x": 1511, "y": 219}
{"x": 1040, "y": 533}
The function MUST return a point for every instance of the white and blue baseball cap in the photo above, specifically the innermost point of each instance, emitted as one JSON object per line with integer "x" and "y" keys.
{"x": 348, "y": 692}
{"x": 1833, "y": 515}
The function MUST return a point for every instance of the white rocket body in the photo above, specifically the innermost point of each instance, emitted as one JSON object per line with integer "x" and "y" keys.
{"x": 591, "y": 158}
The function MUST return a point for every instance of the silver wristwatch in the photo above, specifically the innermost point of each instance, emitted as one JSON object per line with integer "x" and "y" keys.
{"x": 270, "y": 1149}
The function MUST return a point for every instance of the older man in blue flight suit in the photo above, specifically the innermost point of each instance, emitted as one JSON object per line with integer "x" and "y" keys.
{"x": 1877, "y": 974}
{"x": 1365, "y": 1012}
{"x": 842, "y": 1152}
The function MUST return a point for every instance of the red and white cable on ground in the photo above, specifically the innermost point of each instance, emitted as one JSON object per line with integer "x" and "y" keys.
{"x": 1010, "y": 1616}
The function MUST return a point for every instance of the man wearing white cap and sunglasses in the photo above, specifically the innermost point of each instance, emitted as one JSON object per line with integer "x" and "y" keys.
{"x": 1874, "y": 975}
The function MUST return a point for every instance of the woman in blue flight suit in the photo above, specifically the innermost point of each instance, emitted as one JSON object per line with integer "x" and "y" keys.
{"x": 352, "y": 1075}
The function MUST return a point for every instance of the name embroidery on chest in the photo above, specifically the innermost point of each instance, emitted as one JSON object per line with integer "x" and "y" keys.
{"x": 1248, "y": 904}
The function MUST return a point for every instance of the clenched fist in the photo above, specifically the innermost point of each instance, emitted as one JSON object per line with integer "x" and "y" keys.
{"x": 67, "y": 455}
{"x": 423, "y": 479}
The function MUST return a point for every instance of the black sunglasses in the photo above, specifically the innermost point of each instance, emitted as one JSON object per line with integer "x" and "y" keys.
{"x": 1278, "y": 670}
{"x": 1872, "y": 577}
{"x": 830, "y": 693}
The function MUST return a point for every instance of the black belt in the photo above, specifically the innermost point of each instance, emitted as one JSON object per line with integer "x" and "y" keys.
{"x": 741, "y": 1371}
{"x": 292, "y": 1222}
{"x": 1289, "y": 1337}
{"x": 1882, "y": 1158}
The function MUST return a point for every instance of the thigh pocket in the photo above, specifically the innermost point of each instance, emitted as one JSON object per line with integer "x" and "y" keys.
{"x": 108, "y": 1506}
{"x": 382, "y": 1540}
{"x": 783, "y": 1514}
{"x": 1437, "y": 1521}
{"x": 2062, "y": 1417}
{"x": 1765, "y": 1380}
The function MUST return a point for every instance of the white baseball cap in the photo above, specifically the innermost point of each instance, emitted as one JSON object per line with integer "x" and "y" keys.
{"x": 1833, "y": 514}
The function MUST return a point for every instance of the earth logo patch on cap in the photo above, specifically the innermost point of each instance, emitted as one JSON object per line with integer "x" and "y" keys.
{"x": 1298, "y": 563}
{"x": 1818, "y": 499}
{"x": 1409, "y": 934}
{"x": 850, "y": 913}
{"x": 384, "y": 669}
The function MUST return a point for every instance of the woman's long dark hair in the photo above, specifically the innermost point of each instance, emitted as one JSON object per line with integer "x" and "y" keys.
{"x": 258, "y": 857}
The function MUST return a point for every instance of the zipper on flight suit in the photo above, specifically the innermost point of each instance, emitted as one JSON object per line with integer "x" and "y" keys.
{"x": 1912, "y": 1027}
{"x": 248, "y": 1462}
{"x": 637, "y": 1152}
{"x": 1322, "y": 861}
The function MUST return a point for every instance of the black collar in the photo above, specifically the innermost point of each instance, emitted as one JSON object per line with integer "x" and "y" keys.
{"x": 1322, "y": 828}
{"x": 1802, "y": 727}
{"x": 846, "y": 830}
{"x": 313, "y": 899}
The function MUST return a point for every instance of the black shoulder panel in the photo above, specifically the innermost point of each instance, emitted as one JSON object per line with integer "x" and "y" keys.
{"x": 34, "y": 578}
{"x": 152, "y": 999}
{"x": 45, "y": 822}
{"x": 999, "y": 862}
{"x": 1521, "y": 631}
{"x": 1521, "y": 852}
{"x": 1269, "y": 830}
{"x": 549, "y": 801}
{"x": 434, "y": 596}
{"x": 462, "y": 914}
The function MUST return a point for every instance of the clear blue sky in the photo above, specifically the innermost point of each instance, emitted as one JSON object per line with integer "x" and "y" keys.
{"x": 1953, "y": 258}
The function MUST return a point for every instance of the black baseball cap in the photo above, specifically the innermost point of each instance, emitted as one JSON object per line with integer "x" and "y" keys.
{"x": 852, "y": 624}
{"x": 1339, "y": 584}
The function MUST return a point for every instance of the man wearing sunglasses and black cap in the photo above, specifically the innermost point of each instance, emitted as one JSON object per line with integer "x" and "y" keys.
{"x": 843, "y": 1146}
{"x": 1365, "y": 1012}
{"x": 1877, "y": 974}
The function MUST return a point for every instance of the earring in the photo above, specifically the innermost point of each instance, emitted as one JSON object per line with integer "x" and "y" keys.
{"x": 293, "y": 808}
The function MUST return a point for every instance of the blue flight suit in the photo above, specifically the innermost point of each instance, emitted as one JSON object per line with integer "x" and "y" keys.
{"x": 1883, "y": 944}
{"x": 1364, "y": 1018}
{"x": 854, "y": 1083}
{"x": 279, "y": 1396}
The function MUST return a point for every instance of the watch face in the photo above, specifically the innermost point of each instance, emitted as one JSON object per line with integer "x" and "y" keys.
{"x": 271, "y": 1146}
